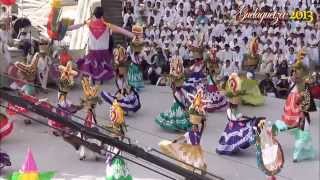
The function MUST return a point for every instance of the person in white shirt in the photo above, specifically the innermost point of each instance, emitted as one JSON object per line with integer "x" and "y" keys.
{"x": 267, "y": 61}
{"x": 226, "y": 53}
{"x": 226, "y": 70}
{"x": 313, "y": 44}
{"x": 4, "y": 51}
{"x": 238, "y": 57}
{"x": 291, "y": 56}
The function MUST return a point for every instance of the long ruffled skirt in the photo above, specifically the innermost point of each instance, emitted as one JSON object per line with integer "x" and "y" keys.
{"x": 303, "y": 149}
{"x": 191, "y": 155}
{"x": 135, "y": 77}
{"x": 236, "y": 136}
{"x": 130, "y": 102}
{"x": 218, "y": 102}
{"x": 191, "y": 84}
{"x": 97, "y": 64}
{"x": 174, "y": 119}
{"x": 118, "y": 170}
{"x": 252, "y": 94}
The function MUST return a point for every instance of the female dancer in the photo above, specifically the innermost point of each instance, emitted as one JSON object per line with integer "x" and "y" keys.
{"x": 116, "y": 168}
{"x": 196, "y": 78}
{"x": 269, "y": 153}
{"x": 191, "y": 152}
{"x": 126, "y": 96}
{"x": 296, "y": 114}
{"x": 177, "y": 117}
{"x": 239, "y": 132}
{"x": 97, "y": 64}
{"x": 217, "y": 101}
{"x": 135, "y": 76}
{"x": 65, "y": 107}
{"x": 89, "y": 102}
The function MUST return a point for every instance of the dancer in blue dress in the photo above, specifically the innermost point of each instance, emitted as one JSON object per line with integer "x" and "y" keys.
{"x": 239, "y": 132}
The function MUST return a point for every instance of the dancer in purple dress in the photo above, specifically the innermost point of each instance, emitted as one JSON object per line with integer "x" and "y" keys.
{"x": 4, "y": 160}
{"x": 97, "y": 63}
{"x": 239, "y": 132}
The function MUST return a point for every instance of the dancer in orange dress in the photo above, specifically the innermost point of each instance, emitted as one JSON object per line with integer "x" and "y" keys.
{"x": 296, "y": 114}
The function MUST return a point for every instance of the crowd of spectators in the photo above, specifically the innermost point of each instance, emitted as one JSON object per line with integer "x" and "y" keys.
{"x": 170, "y": 26}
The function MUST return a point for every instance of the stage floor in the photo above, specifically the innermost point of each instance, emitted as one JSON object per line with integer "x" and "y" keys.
{"x": 52, "y": 153}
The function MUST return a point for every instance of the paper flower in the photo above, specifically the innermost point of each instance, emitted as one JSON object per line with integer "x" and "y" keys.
{"x": 67, "y": 72}
{"x": 234, "y": 83}
{"x": 28, "y": 70}
{"x": 57, "y": 28}
{"x": 116, "y": 114}
{"x": 29, "y": 171}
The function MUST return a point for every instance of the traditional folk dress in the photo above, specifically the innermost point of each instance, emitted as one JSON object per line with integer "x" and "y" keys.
{"x": 116, "y": 168}
{"x": 176, "y": 118}
{"x": 97, "y": 63}
{"x": 217, "y": 101}
{"x": 196, "y": 78}
{"x": 238, "y": 134}
{"x": 66, "y": 109}
{"x": 251, "y": 94}
{"x": 269, "y": 152}
{"x": 190, "y": 153}
{"x": 293, "y": 117}
{"x": 128, "y": 99}
{"x": 89, "y": 102}
{"x": 135, "y": 76}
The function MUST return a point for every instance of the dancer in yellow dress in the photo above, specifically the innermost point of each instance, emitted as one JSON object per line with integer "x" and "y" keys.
{"x": 191, "y": 152}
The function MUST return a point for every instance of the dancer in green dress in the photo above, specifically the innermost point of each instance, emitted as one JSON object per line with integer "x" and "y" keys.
{"x": 251, "y": 92}
{"x": 135, "y": 76}
{"x": 116, "y": 166}
{"x": 177, "y": 117}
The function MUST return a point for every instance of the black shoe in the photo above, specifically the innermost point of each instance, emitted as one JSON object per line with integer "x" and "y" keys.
{"x": 55, "y": 133}
{"x": 27, "y": 122}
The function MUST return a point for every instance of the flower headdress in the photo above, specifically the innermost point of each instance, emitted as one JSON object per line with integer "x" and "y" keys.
{"x": 119, "y": 54}
{"x": 176, "y": 66}
{"x": 89, "y": 91}
{"x": 137, "y": 41}
{"x": 67, "y": 75}
{"x": 116, "y": 114}
{"x": 300, "y": 69}
{"x": 233, "y": 88}
{"x": 29, "y": 70}
{"x": 197, "y": 109}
